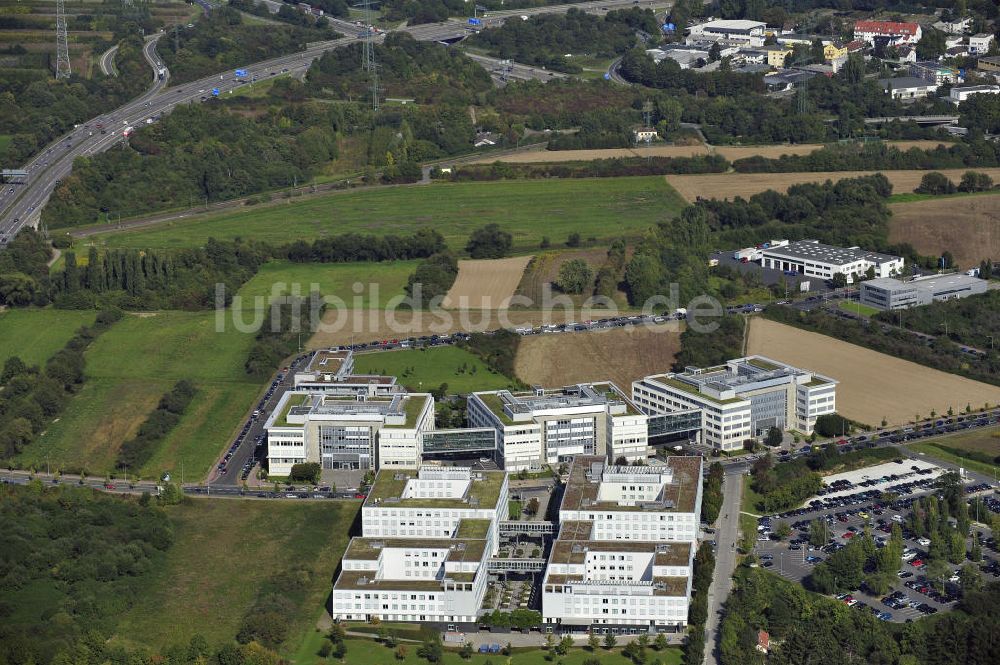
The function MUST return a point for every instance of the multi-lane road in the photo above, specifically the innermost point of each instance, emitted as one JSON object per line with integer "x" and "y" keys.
{"x": 21, "y": 204}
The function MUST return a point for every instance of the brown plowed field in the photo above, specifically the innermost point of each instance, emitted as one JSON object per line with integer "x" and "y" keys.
{"x": 730, "y": 185}
{"x": 485, "y": 284}
{"x": 622, "y": 355}
{"x": 968, "y": 227}
{"x": 873, "y": 385}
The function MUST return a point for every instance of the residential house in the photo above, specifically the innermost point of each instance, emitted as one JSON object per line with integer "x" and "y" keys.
{"x": 887, "y": 33}
{"x": 980, "y": 44}
{"x": 776, "y": 55}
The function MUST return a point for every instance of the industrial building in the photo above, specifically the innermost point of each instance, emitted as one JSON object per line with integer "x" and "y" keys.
{"x": 960, "y": 94}
{"x": 623, "y": 559}
{"x": 740, "y": 400}
{"x": 814, "y": 259}
{"x": 750, "y": 33}
{"x": 889, "y": 294}
{"x": 544, "y": 427}
{"x": 427, "y": 539}
{"x": 341, "y": 432}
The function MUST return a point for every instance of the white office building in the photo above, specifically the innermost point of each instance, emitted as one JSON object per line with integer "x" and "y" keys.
{"x": 551, "y": 426}
{"x": 750, "y": 33}
{"x": 959, "y": 94}
{"x": 331, "y": 371}
{"x": 889, "y": 294}
{"x": 348, "y": 432}
{"x": 740, "y": 400}
{"x": 623, "y": 559}
{"x": 814, "y": 259}
{"x": 427, "y": 538}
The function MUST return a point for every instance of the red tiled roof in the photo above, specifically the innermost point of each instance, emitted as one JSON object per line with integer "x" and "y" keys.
{"x": 856, "y": 45}
{"x": 886, "y": 27}
{"x": 763, "y": 639}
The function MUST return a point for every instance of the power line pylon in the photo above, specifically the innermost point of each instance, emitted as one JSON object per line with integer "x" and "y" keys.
{"x": 62, "y": 42}
{"x": 368, "y": 60}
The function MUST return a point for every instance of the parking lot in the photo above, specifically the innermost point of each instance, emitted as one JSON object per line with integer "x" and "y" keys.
{"x": 849, "y": 506}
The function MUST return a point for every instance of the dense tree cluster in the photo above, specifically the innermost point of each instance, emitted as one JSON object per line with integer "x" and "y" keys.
{"x": 706, "y": 350}
{"x": 704, "y": 568}
{"x": 32, "y": 397}
{"x": 782, "y": 486}
{"x": 223, "y": 40}
{"x": 138, "y": 450}
{"x": 198, "y": 153}
{"x": 281, "y": 334}
{"x": 638, "y": 67}
{"x": 489, "y": 242}
{"x": 970, "y": 320}
{"x": 157, "y": 279}
{"x": 74, "y": 560}
{"x": 433, "y": 277}
{"x": 422, "y": 71}
{"x": 356, "y": 247}
{"x": 497, "y": 350}
{"x": 670, "y": 260}
{"x": 547, "y": 39}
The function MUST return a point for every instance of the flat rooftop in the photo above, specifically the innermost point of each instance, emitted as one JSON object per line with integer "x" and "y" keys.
{"x": 575, "y": 542}
{"x": 930, "y": 284}
{"x": 678, "y": 496}
{"x": 459, "y": 549}
{"x": 516, "y": 407}
{"x": 387, "y": 492}
{"x": 365, "y": 579}
{"x": 399, "y": 410}
{"x": 662, "y": 586}
{"x": 811, "y": 250}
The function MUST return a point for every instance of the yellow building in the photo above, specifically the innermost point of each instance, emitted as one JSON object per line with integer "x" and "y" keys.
{"x": 776, "y": 55}
{"x": 833, "y": 50}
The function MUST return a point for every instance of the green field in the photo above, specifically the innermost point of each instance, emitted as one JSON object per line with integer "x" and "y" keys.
{"x": 954, "y": 449}
{"x": 129, "y": 368}
{"x": 366, "y": 652}
{"x": 223, "y": 551}
{"x": 35, "y": 334}
{"x": 333, "y": 279}
{"x": 600, "y": 207}
{"x": 423, "y": 370}
{"x": 854, "y": 307}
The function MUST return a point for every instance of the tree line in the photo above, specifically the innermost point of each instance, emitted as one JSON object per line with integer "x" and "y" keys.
{"x": 860, "y": 157}
{"x": 357, "y": 247}
{"x": 617, "y": 167}
{"x": 138, "y": 450}
{"x": 32, "y": 396}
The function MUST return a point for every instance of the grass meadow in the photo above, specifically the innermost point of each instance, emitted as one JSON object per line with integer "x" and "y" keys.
{"x": 222, "y": 551}
{"x": 601, "y": 208}
{"x": 34, "y": 335}
{"x": 425, "y": 369}
{"x": 333, "y": 279}
{"x": 129, "y": 368}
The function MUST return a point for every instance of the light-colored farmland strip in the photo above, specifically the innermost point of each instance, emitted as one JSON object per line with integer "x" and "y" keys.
{"x": 968, "y": 227}
{"x": 873, "y": 385}
{"x": 485, "y": 284}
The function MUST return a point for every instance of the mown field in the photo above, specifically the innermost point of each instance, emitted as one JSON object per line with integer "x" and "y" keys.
{"x": 622, "y": 355}
{"x": 35, "y": 334}
{"x": 966, "y": 226}
{"x": 872, "y": 385}
{"x": 129, "y": 368}
{"x": 379, "y": 281}
{"x": 223, "y": 551}
{"x": 423, "y": 370}
{"x": 485, "y": 283}
{"x": 530, "y": 210}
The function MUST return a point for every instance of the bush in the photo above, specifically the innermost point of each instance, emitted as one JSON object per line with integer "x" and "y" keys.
{"x": 575, "y": 276}
{"x": 489, "y": 242}
{"x": 935, "y": 183}
{"x": 307, "y": 472}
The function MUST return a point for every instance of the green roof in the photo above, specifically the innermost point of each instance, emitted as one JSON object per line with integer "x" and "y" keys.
{"x": 390, "y": 485}
{"x": 763, "y": 364}
{"x": 412, "y": 406}
{"x": 495, "y": 404}
{"x": 294, "y": 400}
{"x": 687, "y": 387}
{"x": 816, "y": 381}
{"x": 472, "y": 529}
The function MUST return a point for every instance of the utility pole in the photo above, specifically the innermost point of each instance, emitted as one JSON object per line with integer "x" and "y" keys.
{"x": 368, "y": 62}
{"x": 63, "y": 69}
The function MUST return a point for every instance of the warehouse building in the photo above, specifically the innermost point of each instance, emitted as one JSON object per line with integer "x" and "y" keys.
{"x": 814, "y": 259}
{"x": 750, "y": 33}
{"x": 740, "y": 400}
{"x": 427, "y": 539}
{"x": 551, "y": 426}
{"x": 623, "y": 560}
{"x": 889, "y": 294}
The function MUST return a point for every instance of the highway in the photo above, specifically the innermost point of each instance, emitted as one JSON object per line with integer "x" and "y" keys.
{"x": 515, "y": 70}
{"x": 107, "y": 61}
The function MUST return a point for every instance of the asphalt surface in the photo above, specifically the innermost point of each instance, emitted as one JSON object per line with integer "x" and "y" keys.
{"x": 107, "y": 61}
{"x": 727, "y": 534}
{"x": 508, "y": 70}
